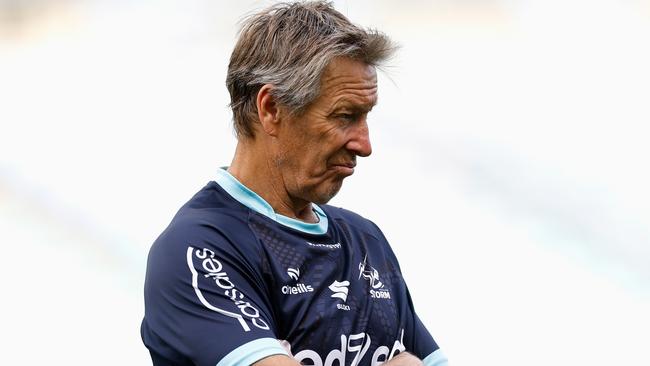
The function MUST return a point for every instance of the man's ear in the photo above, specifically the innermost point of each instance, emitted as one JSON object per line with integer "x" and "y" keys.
{"x": 268, "y": 111}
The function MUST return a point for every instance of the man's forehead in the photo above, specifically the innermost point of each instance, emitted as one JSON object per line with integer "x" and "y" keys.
{"x": 345, "y": 68}
{"x": 360, "y": 103}
{"x": 349, "y": 83}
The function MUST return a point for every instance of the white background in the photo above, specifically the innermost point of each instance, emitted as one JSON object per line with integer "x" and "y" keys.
{"x": 510, "y": 169}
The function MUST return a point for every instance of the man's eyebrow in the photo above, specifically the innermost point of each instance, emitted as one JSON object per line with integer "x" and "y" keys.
{"x": 355, "y": 107}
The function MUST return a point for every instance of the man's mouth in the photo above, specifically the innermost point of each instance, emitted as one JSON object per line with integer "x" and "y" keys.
{"x": 345, "y": 168}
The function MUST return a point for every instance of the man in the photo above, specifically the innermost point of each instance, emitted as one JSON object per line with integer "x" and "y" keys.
{"x": 256, "y": 268}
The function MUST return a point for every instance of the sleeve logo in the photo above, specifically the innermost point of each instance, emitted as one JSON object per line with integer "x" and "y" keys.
{"x": 214, "y": 270}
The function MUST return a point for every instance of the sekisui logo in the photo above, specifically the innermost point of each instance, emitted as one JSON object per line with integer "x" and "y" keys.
{"x": 212, "y": 269}
{"x": 377, "y": 289}
{"x": 340, "y": 291}
{"x": 299, "y": 288}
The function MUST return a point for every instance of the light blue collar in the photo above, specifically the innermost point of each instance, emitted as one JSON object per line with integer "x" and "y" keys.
{"x": 256, "y": 203}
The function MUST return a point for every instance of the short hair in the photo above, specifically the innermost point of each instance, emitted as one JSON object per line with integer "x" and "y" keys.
{"x": 289, "y": 45}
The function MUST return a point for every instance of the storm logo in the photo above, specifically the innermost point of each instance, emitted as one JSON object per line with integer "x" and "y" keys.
{"x": 369, "y": 273}
{"x": 377, "y": 290}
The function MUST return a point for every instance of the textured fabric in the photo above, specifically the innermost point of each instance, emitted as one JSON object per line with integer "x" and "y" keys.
{"x": 223, "y": 276}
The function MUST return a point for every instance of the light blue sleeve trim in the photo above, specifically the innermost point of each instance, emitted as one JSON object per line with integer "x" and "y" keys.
{"x": 252, "y": 200}
{"x": 252, "y": 352}
{"x": 436, "y": 358}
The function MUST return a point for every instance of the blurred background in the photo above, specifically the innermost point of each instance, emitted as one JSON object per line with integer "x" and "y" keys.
{"x": 510, "y": 168}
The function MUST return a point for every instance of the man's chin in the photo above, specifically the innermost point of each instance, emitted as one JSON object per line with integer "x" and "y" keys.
{"x": 322, "y": 197}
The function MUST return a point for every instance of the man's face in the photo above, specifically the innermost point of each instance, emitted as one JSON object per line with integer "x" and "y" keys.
{"x": 318, "y": 149}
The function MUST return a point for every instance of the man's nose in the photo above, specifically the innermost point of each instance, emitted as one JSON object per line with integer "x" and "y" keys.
{"x": 359, "y": 142}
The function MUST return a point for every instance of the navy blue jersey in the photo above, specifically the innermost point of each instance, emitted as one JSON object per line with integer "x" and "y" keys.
{"x": 230, "y": 282}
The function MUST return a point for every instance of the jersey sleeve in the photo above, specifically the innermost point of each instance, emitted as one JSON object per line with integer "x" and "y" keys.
{"x": 425, "y": 347}
{"x": 205, "y": 301}
{"x": 419, "y": 341}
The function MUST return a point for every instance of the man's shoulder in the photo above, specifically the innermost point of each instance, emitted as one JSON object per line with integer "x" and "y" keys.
{"x": 210, "y": 206}
{"x": 212, "y": 199}
{"x": 209, "y": 217}
{"x": 342, "y": 213}
{"x": 353, "y": 219}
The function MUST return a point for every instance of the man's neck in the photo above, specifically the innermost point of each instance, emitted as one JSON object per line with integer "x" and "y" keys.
{"x": 260, "y": 176}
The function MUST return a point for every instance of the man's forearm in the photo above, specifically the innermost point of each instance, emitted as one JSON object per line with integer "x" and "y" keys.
{"x": 404, "y": 359}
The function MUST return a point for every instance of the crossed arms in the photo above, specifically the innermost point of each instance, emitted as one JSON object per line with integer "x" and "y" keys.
{"x": 402, "y": 359}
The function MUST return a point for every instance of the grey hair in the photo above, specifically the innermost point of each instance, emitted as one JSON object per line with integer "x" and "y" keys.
{"x": 289, "y": 45}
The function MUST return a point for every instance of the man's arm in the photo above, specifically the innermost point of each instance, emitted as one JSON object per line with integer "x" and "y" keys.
{"x": 277, "y": 360}
{"x": 197, "y": 293}
{"x": 403, "y": 359}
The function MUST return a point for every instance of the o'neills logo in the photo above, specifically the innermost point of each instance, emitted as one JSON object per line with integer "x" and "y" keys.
{"x": 300, "y": 288}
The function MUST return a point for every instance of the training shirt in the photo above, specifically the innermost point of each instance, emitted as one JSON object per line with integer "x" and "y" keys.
{"x": 230, "y": 282}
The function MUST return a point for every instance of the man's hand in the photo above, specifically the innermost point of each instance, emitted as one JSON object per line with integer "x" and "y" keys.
{"x": 404, "y": 359}
{"x": 277, "y": 360}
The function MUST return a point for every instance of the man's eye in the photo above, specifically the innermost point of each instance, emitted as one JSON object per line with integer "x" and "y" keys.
{"x": 348, "y": 117}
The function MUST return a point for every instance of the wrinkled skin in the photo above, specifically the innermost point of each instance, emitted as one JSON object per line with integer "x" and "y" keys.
{"x": 294, "y": 161}
{"x": 319, "y": 148}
